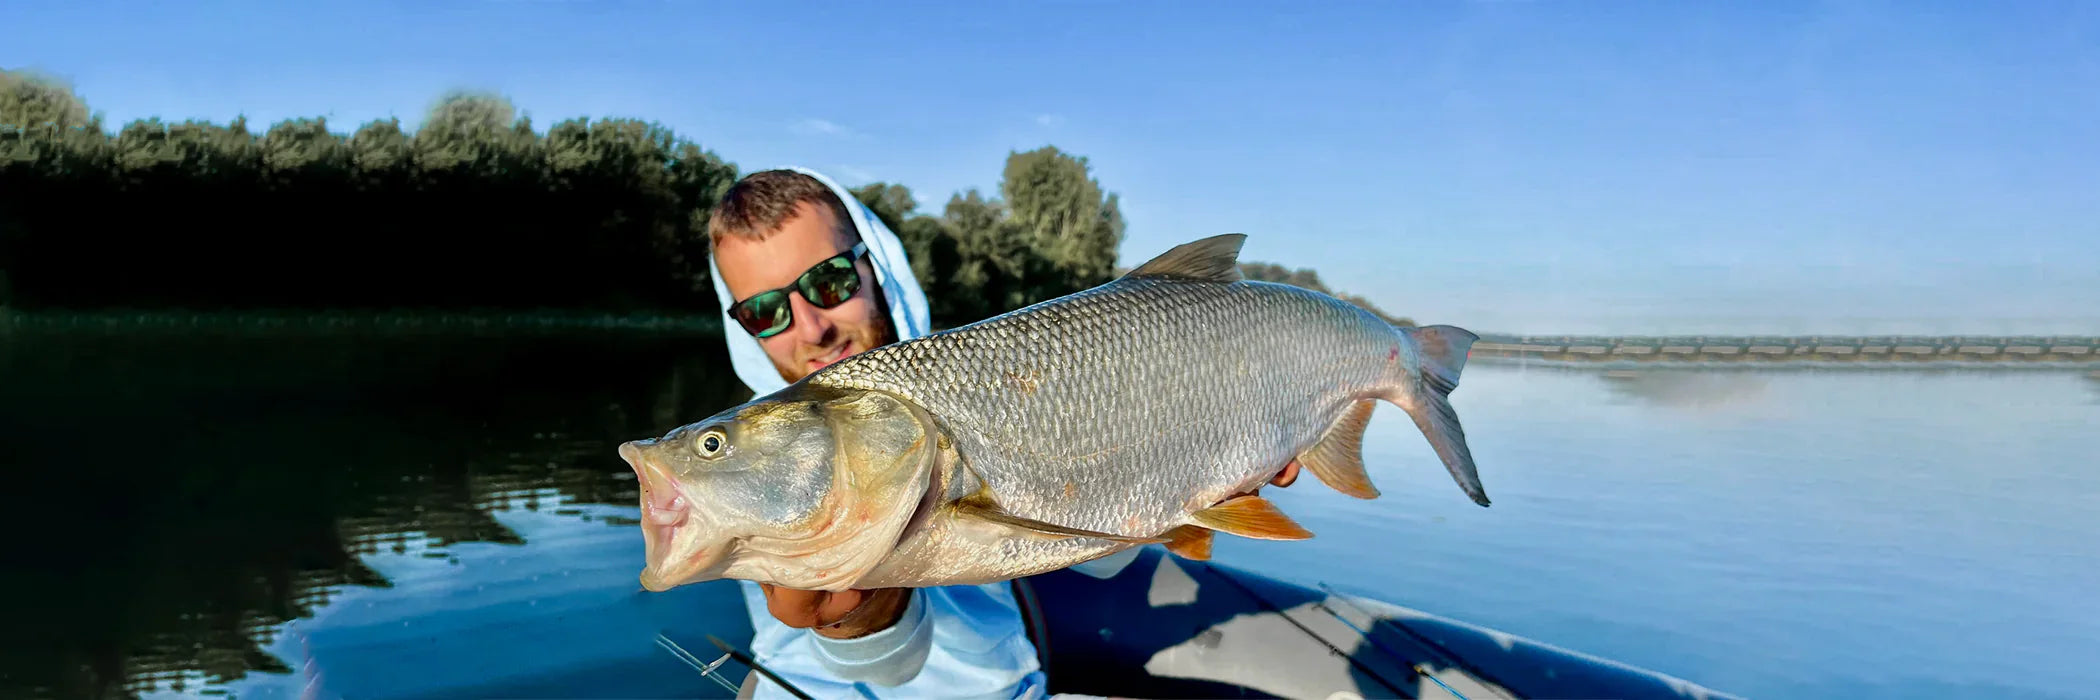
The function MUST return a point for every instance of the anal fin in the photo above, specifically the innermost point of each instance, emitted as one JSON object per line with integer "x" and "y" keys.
{"x": 985, "y": 509}
{"x": 1251, "y": 517}
{"x": 1338, "y": 458}
{"x": 1190, "y": 542}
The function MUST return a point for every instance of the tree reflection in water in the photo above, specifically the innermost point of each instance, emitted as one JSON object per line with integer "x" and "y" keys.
{"x": 175, "y": 499}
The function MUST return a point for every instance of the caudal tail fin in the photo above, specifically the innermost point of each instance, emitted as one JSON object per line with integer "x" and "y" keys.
{"x": 1443, "y": 351}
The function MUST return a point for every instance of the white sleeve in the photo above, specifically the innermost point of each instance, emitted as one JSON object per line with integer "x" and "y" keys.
{"x": 890, "y": 657}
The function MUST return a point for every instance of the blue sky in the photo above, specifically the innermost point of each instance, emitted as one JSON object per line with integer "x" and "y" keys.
{"x": 1501, "y": 165}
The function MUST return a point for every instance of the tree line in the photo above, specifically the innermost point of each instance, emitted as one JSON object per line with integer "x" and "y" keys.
{"x": 475, "y": 209}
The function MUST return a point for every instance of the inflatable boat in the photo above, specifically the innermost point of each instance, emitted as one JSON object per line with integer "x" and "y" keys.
{"x": 1159, "y": 626}
{"x": 1167, "y": 627}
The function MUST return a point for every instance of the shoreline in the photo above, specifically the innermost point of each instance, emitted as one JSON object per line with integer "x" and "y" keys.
{"x": 1602, "y": 352}
{"x": 387, "y": 322}
{"x": 1809, "y": 351}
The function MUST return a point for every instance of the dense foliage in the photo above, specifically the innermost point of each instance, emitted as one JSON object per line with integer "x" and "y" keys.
{"x": 1053, "y": 233}
{"x": 474, "y": 210}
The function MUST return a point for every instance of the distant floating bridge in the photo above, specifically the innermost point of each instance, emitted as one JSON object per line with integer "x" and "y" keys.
{"x": 1921, "y": 351}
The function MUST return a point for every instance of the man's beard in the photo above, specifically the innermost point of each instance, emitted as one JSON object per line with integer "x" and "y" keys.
{"x": 876, "y": 333}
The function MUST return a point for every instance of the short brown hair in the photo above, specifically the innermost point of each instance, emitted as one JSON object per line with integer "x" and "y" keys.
{"x": 760, "y": 202}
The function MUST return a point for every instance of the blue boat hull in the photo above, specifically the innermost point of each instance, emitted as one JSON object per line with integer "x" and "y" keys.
{"x": 1158, "y": 627}
{"x": 1166, "y": 627}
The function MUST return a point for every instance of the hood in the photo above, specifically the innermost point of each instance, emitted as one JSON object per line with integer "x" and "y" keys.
{"x": 900, "y": 289}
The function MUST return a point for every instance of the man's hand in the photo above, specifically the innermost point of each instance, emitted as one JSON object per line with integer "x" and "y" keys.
{"x": 1288, "y": 475}
{"x": 1282, "y": 479}
{"x": 842, "y": 615}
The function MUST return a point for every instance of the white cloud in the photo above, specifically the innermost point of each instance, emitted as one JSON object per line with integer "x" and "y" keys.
{"x": 853, "y": 174}
{"x": 1049, "y": 120}
{"x": 817, "y": 127}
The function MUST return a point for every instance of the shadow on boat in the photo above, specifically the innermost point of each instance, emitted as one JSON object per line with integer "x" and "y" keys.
{"x": 1166, "y": 627}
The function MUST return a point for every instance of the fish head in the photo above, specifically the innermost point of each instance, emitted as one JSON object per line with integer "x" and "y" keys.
{"x": 808, "y": 488}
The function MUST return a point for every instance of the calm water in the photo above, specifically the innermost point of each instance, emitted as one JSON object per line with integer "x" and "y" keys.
{"x": 445, "y": 516}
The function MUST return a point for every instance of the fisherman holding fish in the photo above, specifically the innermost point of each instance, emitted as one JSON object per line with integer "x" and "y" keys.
{"x": 808, "y": 276}
{"x": 879, "y": 509}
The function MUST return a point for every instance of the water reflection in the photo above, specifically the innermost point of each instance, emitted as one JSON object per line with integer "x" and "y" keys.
{"x": 175, "y": 500}
{"x": 1686, "y": 389}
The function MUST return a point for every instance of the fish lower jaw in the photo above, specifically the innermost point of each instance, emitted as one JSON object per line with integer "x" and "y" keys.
{"x": 663, "y": 573}
{"x": 665, "y": 566}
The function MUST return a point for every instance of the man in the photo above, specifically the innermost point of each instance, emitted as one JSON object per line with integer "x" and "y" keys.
{"x": 841, "y": 284}
{"x": 808, "y": 276}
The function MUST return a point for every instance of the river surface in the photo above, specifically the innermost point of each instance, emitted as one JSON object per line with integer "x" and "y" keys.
{"x": 442, "y": 516}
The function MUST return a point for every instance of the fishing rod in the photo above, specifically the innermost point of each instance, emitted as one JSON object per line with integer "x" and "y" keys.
{"x": 755, "y": 666}
{"x": 708, "y": 670}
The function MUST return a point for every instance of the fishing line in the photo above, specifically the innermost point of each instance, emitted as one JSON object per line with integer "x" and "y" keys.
{"x": 728, "y": 652}
{"x": 1444, "y": 655}
{"x": 1419, "y": 669}
{"x": 706, "y": 670}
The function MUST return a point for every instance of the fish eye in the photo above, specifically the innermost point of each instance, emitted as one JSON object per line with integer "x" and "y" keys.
{"x": 710, "y": 444}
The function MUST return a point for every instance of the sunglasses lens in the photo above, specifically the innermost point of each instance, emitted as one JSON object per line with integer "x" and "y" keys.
{"x": 832, "y": 283}
{"x": 763, "y": 315}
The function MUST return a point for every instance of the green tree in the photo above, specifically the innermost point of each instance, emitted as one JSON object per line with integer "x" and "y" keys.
{"x": 473, "y": 133}
{"x": 1053, "y": 231}
{"x": 1064, "y": 215}
{"x": 471, "y": 209}
{"x": 474, "y": 209}
{"x": 31, "y": 99}
{"x": 892, "y": 203}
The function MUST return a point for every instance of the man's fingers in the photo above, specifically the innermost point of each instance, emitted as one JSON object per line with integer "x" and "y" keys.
{"x": 794, "y": 608}
{"x": 811, "y": 609}
{"x": 835, "y": 606}
{"x": 1290, "y": 474}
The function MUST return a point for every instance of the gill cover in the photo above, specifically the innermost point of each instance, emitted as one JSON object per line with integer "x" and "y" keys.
{"x": 878, "y": 474}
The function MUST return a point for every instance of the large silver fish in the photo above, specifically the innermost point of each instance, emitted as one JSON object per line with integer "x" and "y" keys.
{"x": 1143, "y": 410}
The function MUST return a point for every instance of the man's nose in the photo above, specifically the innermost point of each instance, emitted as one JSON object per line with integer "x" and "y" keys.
{"x": 811, "y": 325}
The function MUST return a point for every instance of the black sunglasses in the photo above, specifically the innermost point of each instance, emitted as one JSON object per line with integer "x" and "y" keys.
{"x": 825, "y": 284}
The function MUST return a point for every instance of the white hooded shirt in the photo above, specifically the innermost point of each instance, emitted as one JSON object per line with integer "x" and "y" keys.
{"x": 953, "y": 641}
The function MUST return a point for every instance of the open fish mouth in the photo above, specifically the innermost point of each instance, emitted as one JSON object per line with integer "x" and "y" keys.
{"x": 667, "y": 515}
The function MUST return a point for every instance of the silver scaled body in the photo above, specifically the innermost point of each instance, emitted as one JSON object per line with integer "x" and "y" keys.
{"x": 1122, "y": 410}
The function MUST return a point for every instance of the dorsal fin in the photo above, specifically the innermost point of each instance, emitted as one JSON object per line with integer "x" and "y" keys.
{"x": 1213, "y": 259}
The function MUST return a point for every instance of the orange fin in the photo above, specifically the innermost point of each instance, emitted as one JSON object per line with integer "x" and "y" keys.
{"x": 1338, "y": 458}
{"x": 1190, "y": 542}
{"x": 1251, "y": 517}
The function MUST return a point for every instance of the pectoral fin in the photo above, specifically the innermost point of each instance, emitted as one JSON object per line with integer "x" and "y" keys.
{"x": 1190, "y": 542}
{"x": 1252, "y": 517}
{"x": 985, "y": 509}
{"x": 1338, "y": 458}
